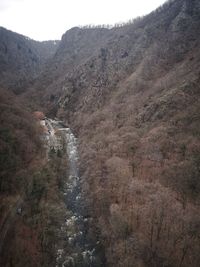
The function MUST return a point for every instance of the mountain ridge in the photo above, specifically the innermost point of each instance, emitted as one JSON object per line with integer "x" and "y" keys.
{"x": 21, "y": 59}
{"x": 131, "y": 96}
{"x": 131, "y": 40}
{"x": 134, "y": 107}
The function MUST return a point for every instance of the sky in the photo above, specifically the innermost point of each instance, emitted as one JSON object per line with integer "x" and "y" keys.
{"x": 49, "y": 19}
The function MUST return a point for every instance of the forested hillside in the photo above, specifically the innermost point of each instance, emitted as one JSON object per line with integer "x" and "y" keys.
{"x": 130, "y": 94}
{"x": 30, "y": 202}
{"x": 24, "y": 174}
{"x": 133, "y": 101}
{"x": 22, "y": 59}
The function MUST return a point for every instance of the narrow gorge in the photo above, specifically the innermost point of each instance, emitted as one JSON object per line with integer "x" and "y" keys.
{"x": 100, "y": 144}
{"x": 76, "y": 245}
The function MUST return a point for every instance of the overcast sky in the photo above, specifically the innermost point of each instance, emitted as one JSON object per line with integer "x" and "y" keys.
{"x": 49, "y": 19}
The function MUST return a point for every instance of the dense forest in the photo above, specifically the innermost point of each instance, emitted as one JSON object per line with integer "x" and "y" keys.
{"x": 130, "y": 94}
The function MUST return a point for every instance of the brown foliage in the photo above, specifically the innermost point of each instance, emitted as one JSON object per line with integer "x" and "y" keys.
{"x": 19, "y": 139}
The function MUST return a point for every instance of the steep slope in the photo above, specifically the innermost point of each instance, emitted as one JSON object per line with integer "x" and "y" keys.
{"x": 133, "y": 100}
{"x": 131, "y": 96}
{"x": 19, "y": 140}
{"x": 19, "y": 146}
{"x": 21, "y": 59}
{"x": 76, "y": 47}
{"x": 27, "y": 179}
{"x": 147, "y": 50}
{"x": 30, "y": 205}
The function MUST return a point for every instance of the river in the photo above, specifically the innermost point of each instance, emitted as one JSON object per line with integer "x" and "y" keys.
{"x": 80, "y": 247}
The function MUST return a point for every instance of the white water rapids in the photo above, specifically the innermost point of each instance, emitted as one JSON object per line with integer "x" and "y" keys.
{"x": 77, "y": 248}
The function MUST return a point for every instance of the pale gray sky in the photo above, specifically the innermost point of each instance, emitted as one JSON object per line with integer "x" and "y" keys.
{"x": 49, "y": 19}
